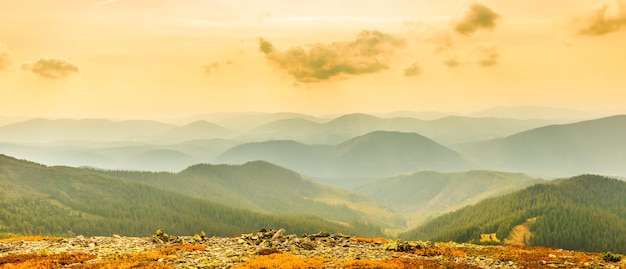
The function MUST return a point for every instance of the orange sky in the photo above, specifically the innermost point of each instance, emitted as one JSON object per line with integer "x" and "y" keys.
{"x": 164, "y": 59}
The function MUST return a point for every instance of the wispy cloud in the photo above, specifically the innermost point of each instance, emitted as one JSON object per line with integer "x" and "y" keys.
{"x": 413, "y": 70}
{"x": 368, "y": 53}
{"x": 211, "y": 67}
{"x": 608, "y": 18}
{"x": 452, "y": 62}
{"x": 5, "y": 57}
{"x": 488, "y": 56}
{"x": 214, "y": 66}
{"x": 51, "y": 68}
{"x": 477, "y": 17}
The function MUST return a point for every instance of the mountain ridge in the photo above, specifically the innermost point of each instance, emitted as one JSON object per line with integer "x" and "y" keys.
{"x": 339, "y": 160}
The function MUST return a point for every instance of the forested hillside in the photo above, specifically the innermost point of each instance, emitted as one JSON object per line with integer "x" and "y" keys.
{"x": 37, "y": 199}
{"x": 265, "y": 187}
{"x": 427, "y": 194}
{"x": 586, "y": 212}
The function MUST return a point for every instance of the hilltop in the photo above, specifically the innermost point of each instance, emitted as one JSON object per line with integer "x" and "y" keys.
{"x": 278, "y": 249}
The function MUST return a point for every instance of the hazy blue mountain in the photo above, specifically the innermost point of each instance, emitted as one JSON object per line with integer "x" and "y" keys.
{"x": 306, "y": 159}
{"x": 453, "y": 130}
{"x": 446, "y": 130}
{"x": 384, "y": 153}
{"x": 198, "y": 130}
{"x": 244, "y": 121}
{"x": 376, "y": 154}
{"x": 585, "y": 212}
{"x": 427, "y": 194}
{"x": 121, "y": 154}
{"x": 286, "y": 129}
{"x": 160, "y": 160}
{"x": 43, "y": 130}
{"x": 422, "y": 115}
{"x": 532, "y": 112}
{"x": 593, "y": 146}
{"x": 41, "y": 200}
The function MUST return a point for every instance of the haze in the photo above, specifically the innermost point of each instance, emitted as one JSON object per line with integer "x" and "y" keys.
{"x": 167, "y": 59}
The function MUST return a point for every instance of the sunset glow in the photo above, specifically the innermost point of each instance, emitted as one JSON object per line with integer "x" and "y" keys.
{"x": 165, "y": 59}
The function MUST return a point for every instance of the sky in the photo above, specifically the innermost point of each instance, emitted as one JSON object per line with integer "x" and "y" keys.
{"x": 168, "y": 59}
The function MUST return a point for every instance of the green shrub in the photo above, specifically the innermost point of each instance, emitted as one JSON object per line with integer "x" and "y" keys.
{"x": 610, "y": 257}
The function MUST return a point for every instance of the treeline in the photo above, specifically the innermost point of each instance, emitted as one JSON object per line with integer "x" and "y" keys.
{"x": 40, "y": 200}
{"x": 258, "y": 186}
{"x": 585, "y": 213}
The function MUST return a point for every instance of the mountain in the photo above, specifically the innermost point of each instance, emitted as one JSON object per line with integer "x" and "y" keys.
{"x": 380, "y": 153}
{"x": 593, "y": 146}
{"x": 531, "y": 112}
{"x": 264, "y": 187}
{"x": 127, "y": 155}
{"x": 198, "y": 130}
{"x": 244, "y": 121}
{"x": 286, "y": 129}
{"x": 384, "y": 153}
{"x": 42, "y": 200}
{"x": 44, "y": 130}
{"x": 447, "y": 130}
{"x": 424, "y": 195}
{"x": 423, "y": 115}
{"x": 586, "y": 212}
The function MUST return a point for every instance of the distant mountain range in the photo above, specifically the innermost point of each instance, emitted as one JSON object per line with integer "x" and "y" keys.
{"x": 593, "y": 146}
{"x": 261, "y": 127}
{"x": 532, "y": 112}
{"x": 586, "y": 212}
{"x": 380, "y": 153}
{"x": 541, "y": 148}
{"x": 447, "y": 130}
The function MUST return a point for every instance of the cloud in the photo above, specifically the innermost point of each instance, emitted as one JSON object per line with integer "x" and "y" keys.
{"x": 210, "y": 67}
{"x": 51, "y": 68}
{"x": 368, "y": 53}
{"x": 5, "y": 57}
{"x": 441, "y": 40}
{"x": 452, "y": 63}
{"x": 488, "y": 56}
{"x": 477, "y": 17}
{"x": 608, "y": 18}
{"x": 413, "y": 70}
{"x": 214, "y": 66}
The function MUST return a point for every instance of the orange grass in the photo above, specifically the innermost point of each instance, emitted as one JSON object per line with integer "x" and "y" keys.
{"x": 30, "y": 238}
{"x": 281, "y": 260}
{"x": 122, "y": 265}
{"x": 24, "y": 261}
{"x": 401, "y": 263}
{"x": 288, "y": 261}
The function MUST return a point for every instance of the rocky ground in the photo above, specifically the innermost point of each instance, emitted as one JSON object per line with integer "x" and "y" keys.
{"x": 277, "y": 249}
